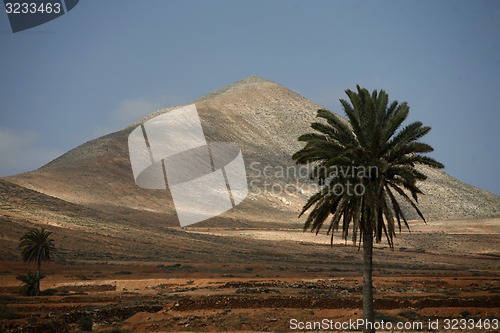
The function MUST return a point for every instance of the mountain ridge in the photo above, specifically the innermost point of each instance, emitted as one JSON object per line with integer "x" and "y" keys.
{"x": 265, "y": 119}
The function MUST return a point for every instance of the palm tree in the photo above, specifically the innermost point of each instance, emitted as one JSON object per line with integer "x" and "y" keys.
{"x": 29, "y": 283}
{"x": 365, "y": 165}
{"x": 36, "y": 246}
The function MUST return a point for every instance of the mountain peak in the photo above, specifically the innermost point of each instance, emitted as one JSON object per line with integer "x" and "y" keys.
{"x": 254, "y": 79}
{"x": 254, "y": 84}
{"x": 264, "y": 119}
{"x": 242, "y": 84}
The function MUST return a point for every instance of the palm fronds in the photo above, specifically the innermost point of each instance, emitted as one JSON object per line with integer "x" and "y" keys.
{"x": 371, "y": 137}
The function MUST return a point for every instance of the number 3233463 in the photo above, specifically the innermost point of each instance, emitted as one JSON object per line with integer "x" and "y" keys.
{"x": 32, "y": 8}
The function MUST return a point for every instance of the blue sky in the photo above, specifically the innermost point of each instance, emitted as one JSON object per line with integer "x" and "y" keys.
{"x": 107, "y": 63}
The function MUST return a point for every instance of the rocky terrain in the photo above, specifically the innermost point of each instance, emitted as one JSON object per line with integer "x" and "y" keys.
{"x": 264, "y": 119}
{"x": 123, "y": 260}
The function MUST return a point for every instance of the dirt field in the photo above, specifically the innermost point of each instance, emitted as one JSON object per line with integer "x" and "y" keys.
{"x": 431, "y": 275}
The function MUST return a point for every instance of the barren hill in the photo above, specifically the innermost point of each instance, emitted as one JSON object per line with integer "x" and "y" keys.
{"x": 121, "y": 257}
{"x": 264, "y": 119}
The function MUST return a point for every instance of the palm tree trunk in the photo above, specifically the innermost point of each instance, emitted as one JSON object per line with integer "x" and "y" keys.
{"x": 368, "y": 312}
{"x": 38, "y": 275}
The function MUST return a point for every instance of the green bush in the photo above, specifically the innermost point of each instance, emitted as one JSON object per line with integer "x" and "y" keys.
{"x": 86, "y": 324}
{"x": 465, "y": 314}
{"x": 29, "y": 285}
{"x": 8, "y": 313}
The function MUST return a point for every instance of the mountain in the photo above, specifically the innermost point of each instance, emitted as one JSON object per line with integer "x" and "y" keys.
{"x": 264, "y": 119}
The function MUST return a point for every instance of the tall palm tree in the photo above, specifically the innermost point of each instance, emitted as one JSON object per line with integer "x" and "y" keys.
{"x": 365, "y": 165}
{"x": 36, "y": 246}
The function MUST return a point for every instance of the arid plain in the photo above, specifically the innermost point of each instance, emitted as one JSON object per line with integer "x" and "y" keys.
{"x": 123, "y": 260}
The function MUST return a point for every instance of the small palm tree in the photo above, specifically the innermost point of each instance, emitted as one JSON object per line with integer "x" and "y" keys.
{"x": 365, "y": 166}
{"x": 36, "y": 246}
{"x": 29, "y": 283}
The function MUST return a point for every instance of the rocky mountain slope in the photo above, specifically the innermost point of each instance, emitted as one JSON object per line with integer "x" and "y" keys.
{"x": 264, "y": 119}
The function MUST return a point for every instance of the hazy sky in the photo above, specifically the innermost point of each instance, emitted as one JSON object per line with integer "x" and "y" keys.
{"x": 107, "y": 63}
